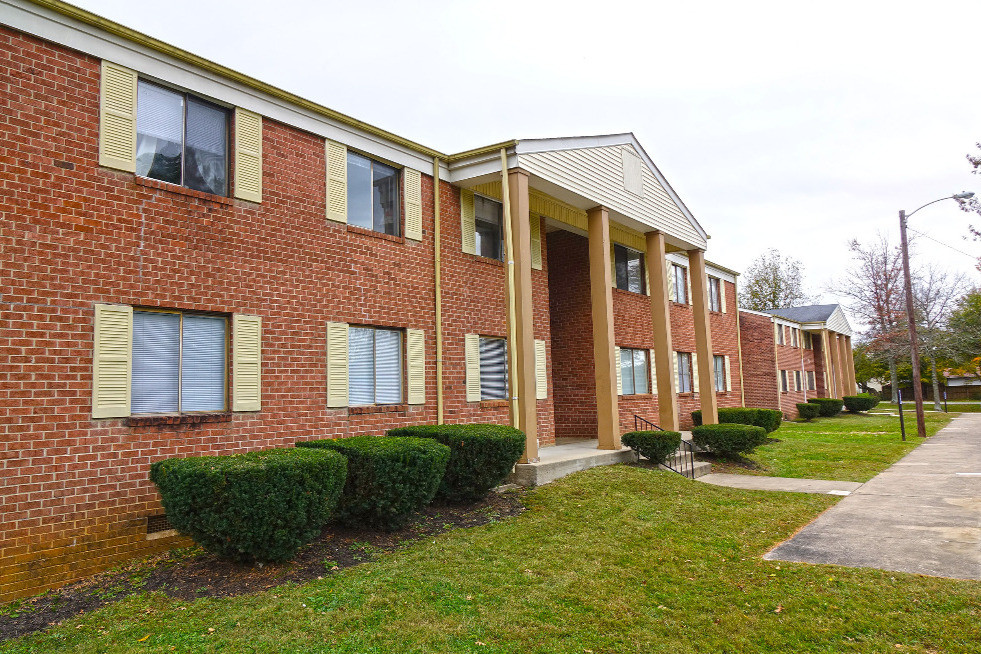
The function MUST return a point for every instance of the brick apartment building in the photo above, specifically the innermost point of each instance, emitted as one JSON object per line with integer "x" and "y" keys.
{"x": 796, "y": 353}
{"x": 195, "y": 262}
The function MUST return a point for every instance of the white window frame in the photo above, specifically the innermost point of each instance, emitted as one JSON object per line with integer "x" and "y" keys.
{"x": 680, "y": 283}
{"x": 399, "y": 173}
{"x": 719, "y": 363}
{"x": 401, "y": 360}
{"x": 630, "y": 253}
{"x": 784, "y": 382}
{"x": 504, "y": 364}
{"x": 685, "y": 368}
{"x": 715, "y": 294}
{"x": 633, "y": 371}
{"x": 477, "y": 200}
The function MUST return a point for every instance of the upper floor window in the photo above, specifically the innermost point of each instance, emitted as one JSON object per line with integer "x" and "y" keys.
{"x": 629, "y": 265}
{"x": 634, "y": 371}
{"x": 680, "y": 283}
{"x": 781, "y": 339}
{"x": 794, "y": 337}
{"x": 373, "y": 195}
{"x": 181, "y": 139}
{"x": 489, "y": 227}
{"x": 684, "y": 372}
{"x": 720, "y": 373}
{"x": 493, "y": 369}
{"x": 808, "y": 342}
{"x": 178, "y": 362}
{"x": 715, "y": 294}
{"x": 374, "y": 366}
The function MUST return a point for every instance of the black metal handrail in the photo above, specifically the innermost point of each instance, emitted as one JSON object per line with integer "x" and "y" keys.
{"x": 643, "y": 424}
{"x": 682, "y": 461}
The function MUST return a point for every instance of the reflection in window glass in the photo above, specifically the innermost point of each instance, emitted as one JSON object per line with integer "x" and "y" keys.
{"x": 629, "y": 265}
{"x": 634, "y": 371}
{"x": 720, "y": 373}
{"x": 684, "y": 372}
{"x": 372, "y": 195}
{"x": 488, "y": 226}
{"x": 205, "y": 148}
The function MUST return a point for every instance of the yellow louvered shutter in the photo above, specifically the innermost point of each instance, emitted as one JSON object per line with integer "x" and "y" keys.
{"x": 653, "y": 371}
{"x": 112, "y": 361}
{"x": 412, "y": 181}
{"x": 468, "y": 228}
{"x": 117, "y": 118}
{"x": 688, "y": 283}
{"x": 672, "y": 290}
{"x": 728, "y": 374}
{"x": 617, "y": 369}
{"x": 694, "y": 372}
{"x": 541, "y": 371}
{"x": 248, "y": 155}
{"x": 536, "y": 242}
{"x": 337, "y": 380}
{"x": 471, "y": 344}
{"x": 722, "y": 295}
{"x": 246, "y": 363}
{"x": 415, "y": 346}
{"x": 337, "y": 184}
{"x": 613, "y": 265}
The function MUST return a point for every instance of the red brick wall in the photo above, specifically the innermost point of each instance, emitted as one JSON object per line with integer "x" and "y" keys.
{"x": 725, "y": 341}
{"x": 759, "y": 355}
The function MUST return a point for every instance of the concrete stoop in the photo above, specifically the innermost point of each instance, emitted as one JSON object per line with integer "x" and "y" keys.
{"x": 701, "y": 469}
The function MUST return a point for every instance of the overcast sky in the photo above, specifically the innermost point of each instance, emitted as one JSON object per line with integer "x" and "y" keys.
{"x": 790, "y": 125}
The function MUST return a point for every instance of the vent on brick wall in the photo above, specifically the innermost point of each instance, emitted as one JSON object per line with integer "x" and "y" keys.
{"x": 157, "y": 523}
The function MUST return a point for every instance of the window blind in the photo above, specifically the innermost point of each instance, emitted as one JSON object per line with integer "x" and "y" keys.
{"x": 493, "y": 369}
{"x": 388, "y": 368}
{"x": 361, "y": 366}
{"x": 640, "y": 371}
{"x": 156, "y": 362}
{"x": 203, "y": 363}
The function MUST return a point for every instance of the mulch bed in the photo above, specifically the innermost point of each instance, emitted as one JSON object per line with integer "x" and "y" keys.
{"x": 190, "y": 574}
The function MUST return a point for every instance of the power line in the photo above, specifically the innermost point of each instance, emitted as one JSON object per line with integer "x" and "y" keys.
{"x": 973, "y": 256}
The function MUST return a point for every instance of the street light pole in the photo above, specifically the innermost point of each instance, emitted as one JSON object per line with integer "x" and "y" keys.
{"x": 914, "y": 344}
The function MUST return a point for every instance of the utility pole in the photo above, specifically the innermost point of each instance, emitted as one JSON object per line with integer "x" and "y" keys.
{"x": 911, "y": 322}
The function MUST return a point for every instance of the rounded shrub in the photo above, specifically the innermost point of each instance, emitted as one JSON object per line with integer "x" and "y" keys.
{"x": 387, "y": 478}
{"x": 830, "y": 406}
{"x": 768, "y": 419}
{"x": 259, "y": 506}
{"x": 728, "y": 439}
{"x": 481, "y": 456}
{"x": 860, "y": 402}
{"x": 807, "y": 411}
{"x": 653, "y": 445}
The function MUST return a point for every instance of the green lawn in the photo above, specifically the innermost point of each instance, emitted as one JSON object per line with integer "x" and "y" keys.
{"x": 844, "y": 448}
{"x": 616, "y": 559}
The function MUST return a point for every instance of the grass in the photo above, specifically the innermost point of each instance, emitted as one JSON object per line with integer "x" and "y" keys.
{"x": 615, "y": 559}
{"x": 844, "y": 448}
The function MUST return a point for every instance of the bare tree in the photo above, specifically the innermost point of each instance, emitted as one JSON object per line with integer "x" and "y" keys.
{"x": 936, "y": 295}
{"x": 874, "y": 292}
{"x": 772, "y": 281}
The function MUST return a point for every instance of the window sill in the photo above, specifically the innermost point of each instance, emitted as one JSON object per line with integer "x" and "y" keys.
{"x": 630, "y": 293}
{"x": 680, "y": 304}
{"x": 188, "y": 419}
{"x": 377, "y": 408}
{"x": 364, "y": 231}
{"x": 638, "y": 396}
{"x": 487, "y": 260}
{"x": 489, "y": 404}
{"x": 180, "y": 190}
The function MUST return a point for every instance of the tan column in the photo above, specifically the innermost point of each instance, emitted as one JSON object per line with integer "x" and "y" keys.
{"x": 601, "y": 296}
{"x": 703, "y": 337}
{"x": 829, "y": 362}
{"x": 847, "y": 365}
{"x": 524, "y": 333}
{"x": 839, "y": 367}
{"x": 852, "y": 384}
{"x": 667, "y": 400}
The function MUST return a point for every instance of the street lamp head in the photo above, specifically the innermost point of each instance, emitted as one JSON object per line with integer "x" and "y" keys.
{"x": 966, "y": 195}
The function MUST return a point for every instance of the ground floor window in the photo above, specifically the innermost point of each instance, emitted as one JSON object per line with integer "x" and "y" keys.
{"x": 810, "y": 380}
{"x": 493, "y": 369}
{"x": 179, "y": 362}
{"x": 634, "y": 371}
{"x": 374, "y": 366}
{"x": 798, "y": 380}
{"x": 684, "y": 372}
{"x": 720, "y": 373}
{"x": 783, "y": 381}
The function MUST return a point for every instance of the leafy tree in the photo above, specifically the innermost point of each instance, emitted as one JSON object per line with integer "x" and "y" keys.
{"x": 935, "y": 296}
{"x": 868, "y": 366}
{"x": 773, "y": 281}
{"x": 964, "y": 331}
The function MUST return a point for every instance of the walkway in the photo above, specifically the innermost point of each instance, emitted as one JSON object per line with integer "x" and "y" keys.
{"x": 789, "y": 484}
{"x": 922, "y": 515}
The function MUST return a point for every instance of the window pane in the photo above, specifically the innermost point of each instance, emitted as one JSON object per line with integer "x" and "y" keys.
{"x": 388, "y": 366}
{"x": 156, "y": 361}
{"x": 493, "y": 369}
{"x": 205, "y": 149}
{"x": 159, "y": 133}
{"x": 358, "y": 190}
{"x": 640, "y": 371}
{"x": 620, "y": 265}
{"x": 720, "y": 373}
{"x": 203, "y": 363}
{"x": 714, "y": 299}
{"x": 681, "y": 284}
{"x": 684, "y": 372}
{"x": 361, "y": 366}
{"x": 488, "y": 224}
{"x": 385, "y": 199}
{"x": 635, "y": 272}
{"x": 626, "y": 371}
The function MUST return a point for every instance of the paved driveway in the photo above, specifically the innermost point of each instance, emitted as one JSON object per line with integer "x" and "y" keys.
{"x": 922, "y": 515}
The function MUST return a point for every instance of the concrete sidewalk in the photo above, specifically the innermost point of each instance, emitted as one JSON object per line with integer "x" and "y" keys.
{"x": 788, "y": 484}
{"x": 922, "y": 515}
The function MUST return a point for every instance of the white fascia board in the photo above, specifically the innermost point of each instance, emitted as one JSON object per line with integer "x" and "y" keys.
{"x": 51, "y": 26}
{"x": 478, "y": 166}
{"x": 721, "y": 273}
{"x": 679, "y": 258}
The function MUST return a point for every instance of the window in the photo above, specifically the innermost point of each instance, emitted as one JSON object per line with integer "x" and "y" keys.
{"x": 181, "y": 139}
{"x": 808, "y": 341}
{"x": 374, "y": 366}
{"x": 783, "y": 381}
{"x": 634, "y": 371}
{"x": 178, "y": 362}
{"x": 680, "y": 283}
{"x": 372, "y": 195}
{"x": 493, "y": 369}
{"x": 684, "y": 372}
{"x": 720, "y": 373}
{"x": 489, "y": 227}
{"x": 810, "y": 380}
{"x": 629, "y": 266}
{"x": 798, "y": 380}
{"x": 794, "y": 339}
{"x": 715, "y": 294}
{"x": 781, "y": 339}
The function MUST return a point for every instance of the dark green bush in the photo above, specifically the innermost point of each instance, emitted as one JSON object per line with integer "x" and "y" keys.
{"x": 481, "y": 456}
{"x": 768, "y": 419}
{"x": 387, "y": 478}
{"x": 259, "y": 506}
{"x": 830, "y": 406}
{"x": 808, "y": 411}
{"x": 860, "y": 402}
{"x": 653, "y": 445}
{"x": 729, "y": 439}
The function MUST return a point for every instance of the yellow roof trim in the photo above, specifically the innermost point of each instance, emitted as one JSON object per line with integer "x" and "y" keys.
{"x": 486, "y": 149}
{"x": 132, "y": 35}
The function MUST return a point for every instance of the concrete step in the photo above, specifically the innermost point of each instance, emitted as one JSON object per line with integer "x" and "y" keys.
{"x": 558, "y": 461}
{"x": 701, "y": 469}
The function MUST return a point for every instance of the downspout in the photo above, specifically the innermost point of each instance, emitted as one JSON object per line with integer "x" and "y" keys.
{"x": 509, "y": 260}
{"x": 776, "y": 362}
{"x": 439, "y": 294}
{"x": 803, "y": 373}
{"x": 739, "y": 344}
